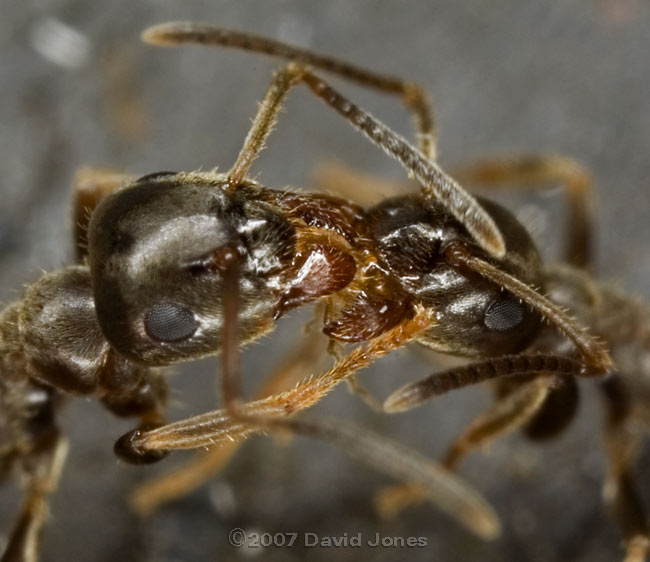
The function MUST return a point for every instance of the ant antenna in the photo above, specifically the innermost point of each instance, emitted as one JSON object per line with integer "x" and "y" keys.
{"x": 435, "y": 182}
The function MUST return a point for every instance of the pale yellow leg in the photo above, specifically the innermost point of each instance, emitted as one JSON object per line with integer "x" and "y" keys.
{"x": 506, "y": 416}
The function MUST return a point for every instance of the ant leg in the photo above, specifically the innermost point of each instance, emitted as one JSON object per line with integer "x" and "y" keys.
{"x": 23, "y": 545}
{"x": 230, "y": 355}
{"x": 530, "y": 172}
{"x": 413, "y": 96}
{"x": 442, "y": 488}
{"x": 506, "y": 416}
{"x": 147, "y": 497}
{"x": 540, "y": 172}
{"x": 446, "y": 490}
{"x": 90, "y": 186}
{"x": 557, "y": 411}
{"x": 263, "y": 123}
{"x": 355, "y": 386}
{"x": 363, "y": 189}
{"x": 237, "y": 421}
{"x": 619, "y": 491}
{"x": 434, "y": 182}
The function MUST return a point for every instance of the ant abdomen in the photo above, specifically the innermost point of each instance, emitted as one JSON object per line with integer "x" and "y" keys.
{"x": 474, "y": 316}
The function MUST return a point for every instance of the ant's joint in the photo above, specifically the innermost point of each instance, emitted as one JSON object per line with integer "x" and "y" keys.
{"x": 129, "y": 449}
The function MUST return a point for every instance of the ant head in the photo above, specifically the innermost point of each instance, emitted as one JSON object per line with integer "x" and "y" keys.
{"x": 158, "y": 250}
{"x": 474, "y": 316}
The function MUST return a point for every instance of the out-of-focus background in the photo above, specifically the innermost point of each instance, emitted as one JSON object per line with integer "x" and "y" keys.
{"x": 508, "y": 77}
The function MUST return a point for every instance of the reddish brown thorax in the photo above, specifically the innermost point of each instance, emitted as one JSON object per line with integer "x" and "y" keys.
{"x": 336, "y": 258}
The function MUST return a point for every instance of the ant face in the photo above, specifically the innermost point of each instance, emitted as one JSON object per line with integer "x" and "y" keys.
{"x": 159, "y": 249}
{"x": 474, "y": 316}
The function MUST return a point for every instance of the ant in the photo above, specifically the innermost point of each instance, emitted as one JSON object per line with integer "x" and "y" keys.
{"x": 178, "y": 266}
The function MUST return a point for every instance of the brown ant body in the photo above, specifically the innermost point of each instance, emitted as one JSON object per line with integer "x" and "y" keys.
{"x": 179, "y": 266}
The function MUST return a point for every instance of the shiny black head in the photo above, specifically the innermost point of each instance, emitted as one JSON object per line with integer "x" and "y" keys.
{"x": 157, "y": 251}
{"x": 474, "y": 316}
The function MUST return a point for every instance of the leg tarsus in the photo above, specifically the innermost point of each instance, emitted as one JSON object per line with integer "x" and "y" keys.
{"x": 23, "y": 544}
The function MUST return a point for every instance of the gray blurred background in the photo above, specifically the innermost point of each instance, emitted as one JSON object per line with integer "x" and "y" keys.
{"x": 508, "y": 77}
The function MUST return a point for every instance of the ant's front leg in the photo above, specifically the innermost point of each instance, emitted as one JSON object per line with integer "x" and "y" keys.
{"x": 238, "y": 420}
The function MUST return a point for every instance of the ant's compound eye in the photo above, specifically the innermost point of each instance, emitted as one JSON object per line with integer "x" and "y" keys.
{"x": 169, "y": 322}
{"x": 504, "y": 314}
